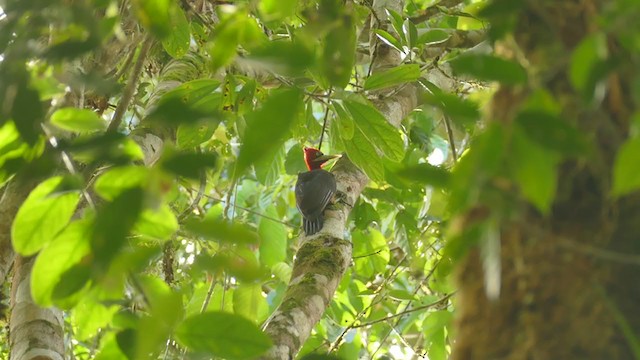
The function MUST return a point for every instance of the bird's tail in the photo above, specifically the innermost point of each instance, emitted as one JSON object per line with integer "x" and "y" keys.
{"x": 312, "y": 225}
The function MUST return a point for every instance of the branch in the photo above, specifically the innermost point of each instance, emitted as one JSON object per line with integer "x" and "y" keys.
{"x": 405, "y": 312}
{"x": 132, "y": 84}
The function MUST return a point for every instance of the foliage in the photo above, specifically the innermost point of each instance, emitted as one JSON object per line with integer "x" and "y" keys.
{"x": 235, "y": 93}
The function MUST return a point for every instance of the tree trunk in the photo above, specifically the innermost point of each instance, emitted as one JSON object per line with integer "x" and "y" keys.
{"x": 567, "y": 290}
{"x": 35, "y": 333}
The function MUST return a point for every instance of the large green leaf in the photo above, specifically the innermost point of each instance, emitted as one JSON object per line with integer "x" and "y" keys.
{"x": 189, "y": 164}
{"x": 273, "y": 235}
{"x": 178, "y": 40}
{"x": 490, "y": 68}
{"x": 114, "y": 222}
{"x": 189, "y": 103}
{"x": 362, "y": 153}
{"x": 339, "y": 52}
{"x": 535, "y": 170}
{"x": 116, "y": 180}
{"x": 268, "y": 127}
{"x": 66, "y": 250}
{"x": 585, "y": 60}
{"x": 462, "y": 111}
{"x": 274, "y": 10}
{"x": 249, "y": 302}
{"x": 91, "y": 316}
{"x": 157, "y": 224}
{"x": 220, "y": 230}
{"x": 370, "y": 252}
{"x": 426, "y": 174}
{"x": 626, "y": 177}
{"x": 377, "y": 129}
{"x": 552, "y": 132}
{"x": 155, "y": 15}
{"x": 223, "y": 334}
{"x": 44, "y": 213}
{"x": 398, "y": 75}
{"x": 79, "y": 120}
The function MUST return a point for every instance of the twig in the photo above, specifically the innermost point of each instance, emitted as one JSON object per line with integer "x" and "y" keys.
{"x": 207, "y": 298}
{"x": 132, "y": 83}
{"x": 197, "y": 198}
{"x": 405, "y": 312}
{"x": 452, "y": 142}
{"x": 253, "y": 212}
{"x": 324, "y": 122}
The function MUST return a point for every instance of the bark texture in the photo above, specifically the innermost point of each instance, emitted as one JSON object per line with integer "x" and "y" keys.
{"x": 35, "y": 333}
{"x": 15, "y": 192}
{"x": 560, "y": 296}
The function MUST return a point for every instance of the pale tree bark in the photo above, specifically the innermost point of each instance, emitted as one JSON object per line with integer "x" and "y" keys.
{"x": 569, "y": 289}
{"x": 35, "y": 333}
{"x": 15, "y": 192}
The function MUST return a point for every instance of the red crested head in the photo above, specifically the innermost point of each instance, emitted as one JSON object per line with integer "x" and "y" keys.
{"x": 315, "y": 159}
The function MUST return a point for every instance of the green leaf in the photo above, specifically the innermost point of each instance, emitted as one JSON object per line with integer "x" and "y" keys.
{"x": 283, "y": 57}
{"x": 294, "y": 162}
{"x": 535, "y": 170}
{"x": 178, "y": 40}
{"x": 249, "y": 302}
{"x": 275, "y": 10}
{"x": 269, "y": 169}
{"x": 339, "y": 52}
{"x": 114, "y": 222}
{"x": 223, "y": 334}
{"x": 626, "y": 177}
{"x": 389, "y": 39}
{"x": 27, "y": 112}
{"x": 364, "y": 155}
{"x": 157, "y": 223}
{"x": 490, "y": 68}
{"x": 42, "y": 216}
{"x": 189, "y": 164}
{"x": 370, "y": 252}
{"x": 155, "y": 15}
{"x": 189, "y": 103}
{"x": 66, "y": 250}
{"x": 90, "y": 316}
{"x": 460, "y": 110}
{"x": 79, "y": 120}
{"x": 116, "y": 180}
{"x": 345, "y": 123}
{"x": 273, "y": 235}
{"x": 426, "y": 174}
{"x": 583, "y": 72}
{"x": 398, "y": 75}
{"x": 552, "y": 132}
{"x": 435, "y": 36}
{"x": 190, "y": 136}
{"x": 165, "y": 313}
{"x": 267, "y": 127}
{"x": 216, "y": 229}
{"x": 377, "y": 130}
{"x": 364, "y": 214}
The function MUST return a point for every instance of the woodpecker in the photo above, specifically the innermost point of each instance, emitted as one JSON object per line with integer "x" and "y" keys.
{"x": 314, "y": 190}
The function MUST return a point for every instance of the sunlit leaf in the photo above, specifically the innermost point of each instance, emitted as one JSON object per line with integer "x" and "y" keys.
{"x": 432, "y": 36}
{"x": 377, "y": 129}
{"x": 42, "y": 216}
{"x": 626, "y": 177}
{"x": 66, "y": 250}
{"x": 370, "y": 251}
{"x": 189, "y": 103}
{"x": 157, "y": 224}
{"x": 249, "y": 302}
{"x": 273, "y": 235}
{"x": 398, "y": 75}
{"x": 223, "y": 334}
{"x": 116, "y": 180}
{"x": 267, "y": 127}
{"x": 155, "y": 15}
{"x": 79, "y": 120}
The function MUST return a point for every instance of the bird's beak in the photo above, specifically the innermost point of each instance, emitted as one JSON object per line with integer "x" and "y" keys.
{"x": 324, "y": 158}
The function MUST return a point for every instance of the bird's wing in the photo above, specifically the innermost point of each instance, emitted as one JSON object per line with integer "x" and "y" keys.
{"x": 314, "y": 191}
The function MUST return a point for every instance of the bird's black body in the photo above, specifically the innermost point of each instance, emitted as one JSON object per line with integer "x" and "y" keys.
{"x": 314, "y": 191}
